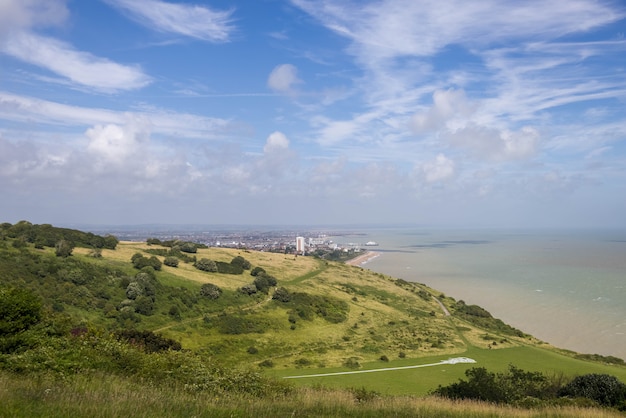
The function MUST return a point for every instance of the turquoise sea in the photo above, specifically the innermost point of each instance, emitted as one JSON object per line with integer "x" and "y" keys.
{"x": 567, "y": 288}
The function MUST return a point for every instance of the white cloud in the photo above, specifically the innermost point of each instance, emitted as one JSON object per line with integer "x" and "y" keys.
{"x": 194, "y": 21}
{"x": 493, "y": 144}
{"x": 80, "y": 67}
{"x": 115, "y": 143}
{"x": 283, "y": 78}
{"x": 28, "y": 109}
{"x": 442, "y": 168}
{"x": 391, "y": 28}
{"x": 26, "y": 14}
{"x": 276, "y": 142}
{"x": 447, "y": 105}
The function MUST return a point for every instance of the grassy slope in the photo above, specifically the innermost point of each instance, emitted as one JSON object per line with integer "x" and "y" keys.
{"x": 386, "y": 317}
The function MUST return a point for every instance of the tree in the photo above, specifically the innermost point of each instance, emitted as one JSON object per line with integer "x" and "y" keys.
{"x": 210, "y": 291}
{"x": 63, "y": 248}
{"x": 249, "y": 289}
{"x": 19, "y": 310}
{"x": 240, "y": 261}
{"x": 256, "y": 271}
{"x": 263, "y": 282}
{"x": 110, "y": 242}
{"x": 188, "y": 247}
{"x": 171, "y": 261}
{"x": 205, "y": 264}
{"x": 605, "y": 389}
{"x": 282, "y": 295}
{"x": 139, "y": 262}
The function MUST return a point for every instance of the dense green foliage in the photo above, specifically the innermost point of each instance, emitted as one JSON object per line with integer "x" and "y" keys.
{"x": 19, "y": 310}
{"x": 602, "y": 388}
{"x": 527, "y": 388}
{"x": 210, "y": 291}
{"x": 48, "y": 236}
{"x": 483, "y": 319}
{"x": 306, "y": 306}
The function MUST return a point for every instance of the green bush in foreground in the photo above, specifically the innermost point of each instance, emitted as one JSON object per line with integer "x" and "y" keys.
{"x": 518, "y": 387}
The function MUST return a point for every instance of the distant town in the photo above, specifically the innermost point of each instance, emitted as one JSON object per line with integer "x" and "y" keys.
{"x": 285, "y": 241}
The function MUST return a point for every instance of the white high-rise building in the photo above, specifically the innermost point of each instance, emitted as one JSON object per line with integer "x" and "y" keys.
{"x": 300, "y": 245}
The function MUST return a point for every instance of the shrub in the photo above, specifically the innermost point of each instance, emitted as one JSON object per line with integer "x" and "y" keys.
{"x": 248, "y": 289}
{"x": 605, "y": 389}
{"x": 510, "y": 387}
{"x": 228, "y": 268}
{"x": 188, "y": 247}
{"x": 263, "y": 282}
{"x": 171, "y": 261}
{"x": 256, "y": 271}
{"x": 63, "y": 248}
{"x": 148, "y": 340}
{"x": 282, "y": 295}
{"x": 241, "y": 262}
{"x": 210, "y": 291}
{"x": 140, "y": 262}
{"x": 19, "y": 310}
{"x": 352, "y": 363}
{"x": 205, "y": 264}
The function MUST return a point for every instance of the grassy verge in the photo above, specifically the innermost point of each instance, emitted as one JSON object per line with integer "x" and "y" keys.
{"x": 108, "y": 396}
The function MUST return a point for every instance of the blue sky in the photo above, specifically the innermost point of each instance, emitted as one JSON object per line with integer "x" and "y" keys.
{"x": 439, "y": 113}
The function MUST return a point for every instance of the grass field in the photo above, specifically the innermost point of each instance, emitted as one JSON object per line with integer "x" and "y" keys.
{"x": 420, "y": 381}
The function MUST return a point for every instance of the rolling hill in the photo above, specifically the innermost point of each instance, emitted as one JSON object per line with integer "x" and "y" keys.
{"x": 278, "y": 316}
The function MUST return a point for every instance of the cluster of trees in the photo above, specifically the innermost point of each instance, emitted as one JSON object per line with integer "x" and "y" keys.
{"x": 46, "y": 235}
{"x": 177, "y": 245}
{"x": 140, "y": 261}
{"x": 262, "y": 282}
{"x": 520, "y": 387}
{"x": 141, "y": 293}
{"x": 236, "y": 266}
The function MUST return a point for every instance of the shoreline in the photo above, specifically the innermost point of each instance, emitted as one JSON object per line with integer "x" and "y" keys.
{"x": 362, "y": 259}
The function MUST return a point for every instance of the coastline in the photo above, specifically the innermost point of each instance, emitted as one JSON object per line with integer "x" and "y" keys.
{"x": 565, "y": 288}
{"x": 362, "y": 259}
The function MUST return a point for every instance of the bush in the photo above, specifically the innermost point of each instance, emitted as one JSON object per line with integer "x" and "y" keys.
{"x": 228, "y": 268}
{"x": 148, "y": 341}
{"x": 510, "y": 387}
{"x": 282, "y": 295}
{"x": 241, "y": 262}
{"x": 205, "y": 264}
{"x": 263, "y": 282}
{"x": 210, "y": 291}
{"x": 249, "y": 289}
{"x": 139, "y": 262}
{"x": 605, "y": 389}
{"x": 256, "y": 271}
{"x": 171, "y": 261}
{"x": 63, "y": 248}
{"x": 19, "y": 310}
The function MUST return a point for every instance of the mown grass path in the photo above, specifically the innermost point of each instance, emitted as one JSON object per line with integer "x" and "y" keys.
{"x": 321, "y": 267}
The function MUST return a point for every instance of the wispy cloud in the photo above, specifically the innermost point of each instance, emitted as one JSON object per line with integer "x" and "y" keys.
{"x": 22, "y": 108}
{"x": 27, "y": 14}
{"x": 79, "y": 67}
{"x": 194, "y": 21}
{"x": 522, "y": 72}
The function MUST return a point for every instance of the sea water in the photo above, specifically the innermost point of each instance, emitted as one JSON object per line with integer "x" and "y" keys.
{"x": 567, "y": 288}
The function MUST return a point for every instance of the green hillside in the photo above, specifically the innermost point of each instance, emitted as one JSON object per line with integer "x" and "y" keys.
{"x": 227, "y": 320}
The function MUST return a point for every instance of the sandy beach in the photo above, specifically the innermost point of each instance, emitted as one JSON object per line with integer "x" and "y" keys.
{"x": 363, "y": 258}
